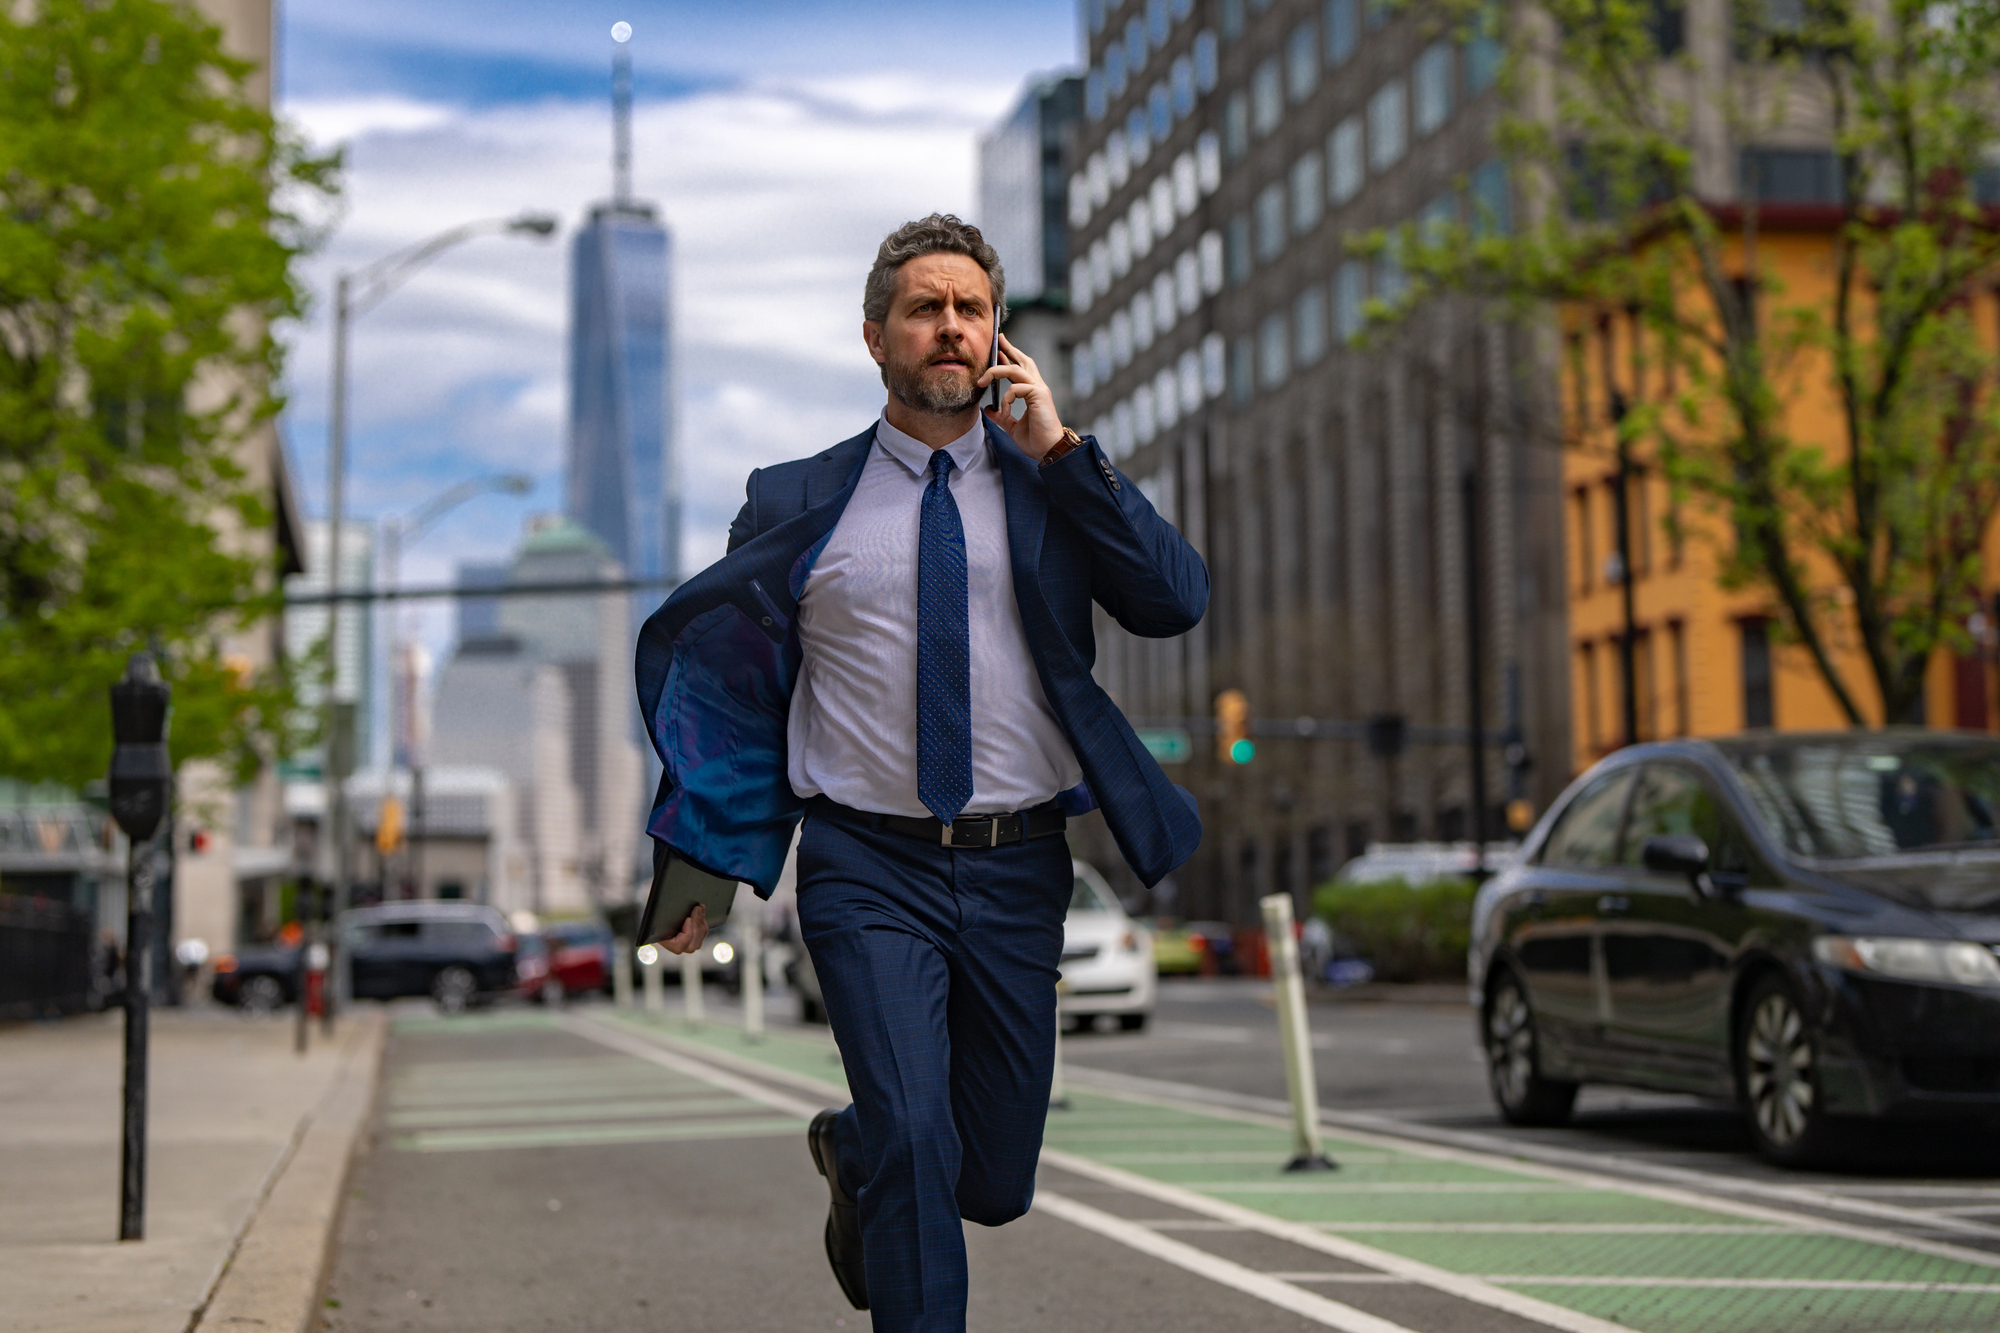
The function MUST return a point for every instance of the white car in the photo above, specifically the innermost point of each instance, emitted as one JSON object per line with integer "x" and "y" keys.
{"x": 1107, "y": 958}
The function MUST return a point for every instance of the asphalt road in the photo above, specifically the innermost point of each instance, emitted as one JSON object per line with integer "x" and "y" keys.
{"x": 534, "y": 1173}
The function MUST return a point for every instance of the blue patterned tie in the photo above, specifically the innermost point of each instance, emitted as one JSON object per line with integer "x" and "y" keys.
{"x": 944, "y": 672}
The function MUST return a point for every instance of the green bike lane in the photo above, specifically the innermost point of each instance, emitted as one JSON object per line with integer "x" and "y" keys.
{"x": 1530, "y": 1244}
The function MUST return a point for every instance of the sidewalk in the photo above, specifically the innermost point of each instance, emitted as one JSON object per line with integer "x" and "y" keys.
{"x": 247, "y": 1138}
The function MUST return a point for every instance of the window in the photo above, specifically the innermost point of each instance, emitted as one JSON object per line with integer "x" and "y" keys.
{"x": 1309, "y": 325}
{"x": 1587, "y": 832}
{"x": 1100, "y": 265}
{"x": 1239, "y": 249}
{"x": 1242, "y": 371}
{"x": 1483, "y": 56}
{"x": 1274, "y": 361}
{"x": 1158, "y": 21}
{"x": 1187, "y": 283}
{"x": 1138, "y": 141}
{"x": 1117, "y": 159}
{"x": 1206, "y": 66}
{"x": 1182, "y": 8}
{"x": 1759, "y": 706}
{"x": 1210, "y": 250}
{"x": 1339, "y": 31}
{"x": 1586, "y": 670}
{"x": 1585, "y": 564}
{"x": 1670, "y": 799}
{"x": 1213, "y": 370}
{"x": 1165, "y": 309}
{"x": 1186, "y": 187}
{"x": 1114, "y": 69}
{"x": 1302, "y": 62}
{"x": 1232, "y": 19}
{"x": 1160, "y": 203}
{"x": 1093, "y": 15}
{"x": 1083, "y": 375}
{"x": 1343, "y": 161}
{"x": 1270, "y": 222}
{"x": 1208, "y": 162}
{"x": 1188, "y": 372}
{"x": 1433, "y": 81}
{"x": 1135, "y": 43}
{"x": 1122, "y": 429}
{"x": 1160, "y": 111}
{"x": 1390, "y": 280}
{"x": 1435, "y": 222}
{"x": 1120, "y": 239}
{"x": 1142, "y": 320}
{"x": 1791, "y": 175}
{"x": 1166, "y": 401}
{"x": 1236, "y": 126}
{"x": 1267, "y": 98}
{"x": 1182, "y": 77}
{"x": 1386, "y": 125}
{"x": 1095, "y": 96}
{"x": 1677, "y": 645}
{"x": 1308, "y": 193}
{"x": 1100, "y": 354}
{"x": 1378, "y": 13}
{"x": 1079, "y": 201}
{"x": 1492, "y": 201}
{"x": 1349, "y": 295}
{"x": 1139, "y": 227}
{"x": 1145, "y": 425}
{"x": 1121, "y": 339}
{"x": 1080, "y": 290}
{"x": 1099, "y": 172}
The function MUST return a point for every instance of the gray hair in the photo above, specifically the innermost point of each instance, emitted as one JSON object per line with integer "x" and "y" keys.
{"x": 938, "y": 234}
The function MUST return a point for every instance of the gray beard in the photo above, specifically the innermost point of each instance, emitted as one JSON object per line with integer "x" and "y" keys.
{"x": 934, "y": 394}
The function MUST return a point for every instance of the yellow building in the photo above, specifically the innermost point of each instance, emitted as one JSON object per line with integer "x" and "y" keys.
{"x": 1708, "y": 660}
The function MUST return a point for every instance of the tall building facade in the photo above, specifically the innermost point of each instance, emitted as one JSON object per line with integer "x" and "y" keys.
{"x": 1228, "y": 154}
{"x": 621, "y": 481}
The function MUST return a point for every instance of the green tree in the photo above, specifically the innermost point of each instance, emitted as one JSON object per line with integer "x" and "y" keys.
{"x": 1624, "y": 146}
{"x": 149, "y": 228}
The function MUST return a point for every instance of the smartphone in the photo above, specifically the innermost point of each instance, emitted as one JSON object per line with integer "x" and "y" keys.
{"x": 993, "y": 359}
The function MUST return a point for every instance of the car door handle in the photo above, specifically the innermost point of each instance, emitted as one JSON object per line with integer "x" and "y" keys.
{"x": 1612, "y": 903}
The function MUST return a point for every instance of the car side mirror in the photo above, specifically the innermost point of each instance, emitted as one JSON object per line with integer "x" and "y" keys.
{"x": 1678, "y": 854}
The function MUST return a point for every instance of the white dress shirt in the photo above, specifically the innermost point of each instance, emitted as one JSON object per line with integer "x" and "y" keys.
{"x": 852, "y": 733}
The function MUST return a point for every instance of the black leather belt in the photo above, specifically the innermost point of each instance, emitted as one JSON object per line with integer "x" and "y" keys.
{"x": 966, "y": 831}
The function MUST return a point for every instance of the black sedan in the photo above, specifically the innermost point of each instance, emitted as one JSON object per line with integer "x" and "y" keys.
{"x": 1806, "y": 924}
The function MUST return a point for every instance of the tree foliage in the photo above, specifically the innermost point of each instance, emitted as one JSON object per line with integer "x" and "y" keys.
{"x": 146, "y": 251}
{"x": 1639, "y": 200}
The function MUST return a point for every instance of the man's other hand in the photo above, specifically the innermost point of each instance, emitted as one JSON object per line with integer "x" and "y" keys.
{"x": 693, "y": 931}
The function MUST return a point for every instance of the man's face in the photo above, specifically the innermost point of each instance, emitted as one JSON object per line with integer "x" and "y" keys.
{"x": 938, "y": 334}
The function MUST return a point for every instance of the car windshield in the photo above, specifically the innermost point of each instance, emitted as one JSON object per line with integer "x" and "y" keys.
{"x": 1876, "y": 796}
{"x": 1085, "y": 897}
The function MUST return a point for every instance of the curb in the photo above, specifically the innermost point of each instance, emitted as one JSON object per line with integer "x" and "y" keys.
{"x": 272, "y": 1279}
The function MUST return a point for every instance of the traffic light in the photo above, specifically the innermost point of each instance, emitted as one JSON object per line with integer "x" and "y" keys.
{"x": 1232, "y": 728}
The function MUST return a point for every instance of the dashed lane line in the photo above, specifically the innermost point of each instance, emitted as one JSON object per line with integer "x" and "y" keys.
{"x": 696, "y": 1069}
{"x": 552, "y": 1136}
{"x": 470, "y": 1116}
{"x": 1265, "y": 1287}
{"x": 1754, "y": 1283}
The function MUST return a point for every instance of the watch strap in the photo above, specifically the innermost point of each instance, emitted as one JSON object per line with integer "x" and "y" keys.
{"x": 1068, "y": 444}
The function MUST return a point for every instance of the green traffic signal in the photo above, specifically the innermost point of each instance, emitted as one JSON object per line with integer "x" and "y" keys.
{"x": 1242, "y": 752}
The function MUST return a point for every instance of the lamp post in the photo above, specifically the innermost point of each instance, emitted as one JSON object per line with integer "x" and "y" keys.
{"x": 399, "y": 535}
{"x": 354, "y": 294}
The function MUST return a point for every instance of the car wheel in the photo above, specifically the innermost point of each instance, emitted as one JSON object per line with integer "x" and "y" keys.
{"x": 1132, "y": 1022}
{"x": 1777, "y": 1059}
{"x": 262, "y": 995}
{"x": 453, "y": 988}
{"x": 552, "y": 993}
{"x": 1513, "y": 1065}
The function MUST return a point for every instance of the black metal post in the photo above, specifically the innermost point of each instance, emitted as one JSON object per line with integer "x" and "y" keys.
{"x": 138, "y": 999}
{"x": 1621, "y": 508}
{"x": 1474, "y": 667}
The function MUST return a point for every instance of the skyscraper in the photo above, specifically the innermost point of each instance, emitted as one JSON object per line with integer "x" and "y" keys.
{"x": 621, "y": 483}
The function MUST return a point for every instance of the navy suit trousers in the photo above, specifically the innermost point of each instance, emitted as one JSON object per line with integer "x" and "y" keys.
{"x": 938, "y": 968}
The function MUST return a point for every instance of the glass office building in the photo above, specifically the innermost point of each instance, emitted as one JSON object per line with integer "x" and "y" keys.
{"x": 621, "y": 480}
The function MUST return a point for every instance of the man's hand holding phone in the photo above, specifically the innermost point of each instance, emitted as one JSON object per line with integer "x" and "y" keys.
{"x": 1036, "y": 428}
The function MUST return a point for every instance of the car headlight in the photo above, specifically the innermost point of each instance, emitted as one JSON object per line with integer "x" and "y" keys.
{"x": 1954, "y": 961}
{"x": 723, "y": 953}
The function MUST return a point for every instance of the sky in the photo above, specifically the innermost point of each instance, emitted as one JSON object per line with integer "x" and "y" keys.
{"x": 781, "y": 141}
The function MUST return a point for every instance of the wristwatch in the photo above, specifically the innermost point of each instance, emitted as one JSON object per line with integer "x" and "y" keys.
{"x": 1069, "y": 442}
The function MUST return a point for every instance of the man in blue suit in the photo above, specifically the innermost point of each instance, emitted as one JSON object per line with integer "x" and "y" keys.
{"x": 898, "y": 649}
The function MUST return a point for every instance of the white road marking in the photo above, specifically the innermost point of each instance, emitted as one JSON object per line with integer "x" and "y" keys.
{"x": 1750, "y": 1283}
{"x": 1358, "y": 1279}
{"x": 1301, "y": 1234}
{"x": 1492, "y": 1150}
{"x": 1566, "y": 1228}
{"x": 1204, "y": 1032}
{"x": 1264, "y": 1286}
{"x": 680, "y": 1064}
{"x": 1389, "y": 1187}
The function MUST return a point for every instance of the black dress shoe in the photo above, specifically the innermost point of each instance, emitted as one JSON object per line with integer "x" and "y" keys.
{"x": 843, "y": 1219}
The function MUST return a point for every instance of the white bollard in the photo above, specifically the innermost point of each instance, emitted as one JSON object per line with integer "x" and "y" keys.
{"x": 691, "y": 987}
{"x": 651, "y": 962}
{"x": 750, "y": 965}
{"x": 1289, "y": 990}
{"x": 621, "y": 972}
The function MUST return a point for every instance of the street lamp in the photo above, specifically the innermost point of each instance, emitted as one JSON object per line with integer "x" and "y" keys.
{"x": 356, "y": 293}
{"x": 400, "y": 534}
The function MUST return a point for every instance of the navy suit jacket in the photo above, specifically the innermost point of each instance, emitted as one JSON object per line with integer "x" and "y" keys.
{"x": 717, "y": 662}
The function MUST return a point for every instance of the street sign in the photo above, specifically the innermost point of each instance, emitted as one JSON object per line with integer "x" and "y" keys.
{"x": 1169, "y": 745}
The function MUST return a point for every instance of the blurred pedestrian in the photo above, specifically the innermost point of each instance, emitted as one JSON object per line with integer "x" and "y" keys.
{"x": 898, "y": 647}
